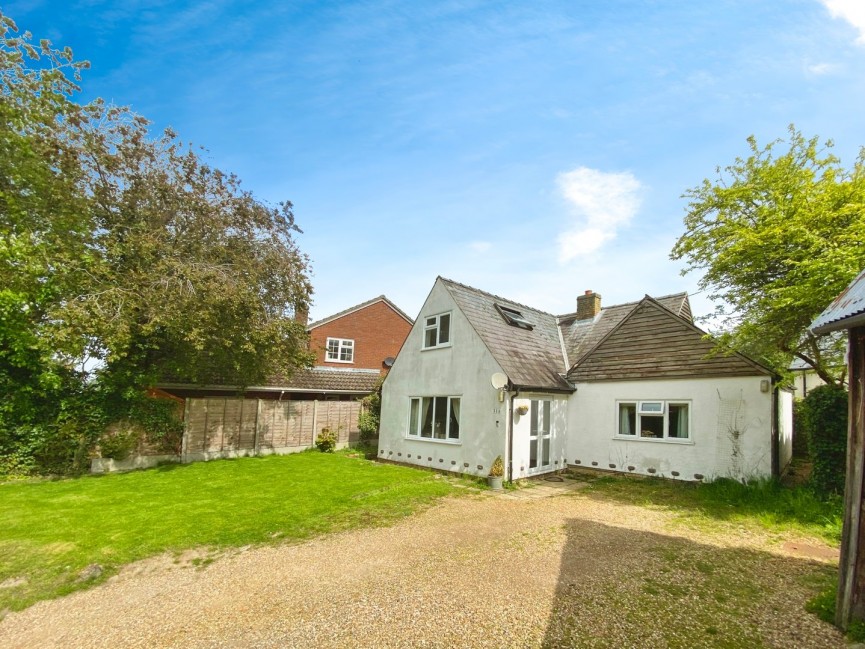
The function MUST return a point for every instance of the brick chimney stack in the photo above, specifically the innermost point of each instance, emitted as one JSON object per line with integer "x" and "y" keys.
{"x": 301, "y": 314}
{"x": 588, "y": 305}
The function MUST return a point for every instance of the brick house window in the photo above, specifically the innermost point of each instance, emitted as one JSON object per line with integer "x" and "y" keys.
{"x": 340, "y": 350}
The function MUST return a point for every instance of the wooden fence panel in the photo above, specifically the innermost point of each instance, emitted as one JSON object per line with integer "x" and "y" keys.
{"x": 307, "y": 422}
{"x": 215, "y": 425}
{"x": 280, "y": 424}
{"x": 225, "y": 425}
{"x": 340, "y": 417}
{"x": 196, "y": 424}
{"x": 231, "y": 424}
{"x": 294, "y": 413}
{"x": 248, "y": 421}
{"x": 265, "y": 425}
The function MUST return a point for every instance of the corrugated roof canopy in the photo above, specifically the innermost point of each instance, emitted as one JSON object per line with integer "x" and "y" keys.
{"x": 846, "y": 311}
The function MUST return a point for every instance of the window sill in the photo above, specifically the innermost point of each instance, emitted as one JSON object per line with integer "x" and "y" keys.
{"x": 334, "y": 360}
{"x": 449, "y": 442}
{"x": 429, "y": 349}
{"x": 654, "y": 440}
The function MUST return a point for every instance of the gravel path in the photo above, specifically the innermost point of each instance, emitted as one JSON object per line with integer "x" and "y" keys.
{"x": 568, "y": 570}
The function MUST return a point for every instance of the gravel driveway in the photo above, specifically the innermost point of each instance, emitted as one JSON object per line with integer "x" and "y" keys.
{"x": 487, "y": 571}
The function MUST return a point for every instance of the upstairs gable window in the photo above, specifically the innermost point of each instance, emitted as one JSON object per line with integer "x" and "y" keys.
{"x": 437, "y": 331}
{"x": 340, "y": 350}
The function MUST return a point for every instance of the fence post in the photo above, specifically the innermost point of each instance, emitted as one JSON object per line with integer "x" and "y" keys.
{"x": 222, "y": 432}
{"x": 184, "y": 440}
{"x": 314, "y": 422}
{"x": 257, "y": 424}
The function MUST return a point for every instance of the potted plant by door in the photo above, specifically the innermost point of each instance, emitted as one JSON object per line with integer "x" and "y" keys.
{"x": 497, "y": 472}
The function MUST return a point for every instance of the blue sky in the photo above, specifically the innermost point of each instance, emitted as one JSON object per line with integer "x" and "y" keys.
{"x": 531, "y": 149}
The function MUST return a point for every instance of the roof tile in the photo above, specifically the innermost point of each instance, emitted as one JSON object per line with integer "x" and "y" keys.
{"x": 534, "y": 358}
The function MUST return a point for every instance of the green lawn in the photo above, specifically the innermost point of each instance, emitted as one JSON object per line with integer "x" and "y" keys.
{"x": 51, "y": 530}
{"x": 764, "y": 504}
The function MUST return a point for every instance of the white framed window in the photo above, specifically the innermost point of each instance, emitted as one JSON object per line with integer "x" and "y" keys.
{"x": 434, "y": 418}
{"x": 437, "y": 331}
{"x": 656, "y": 420}
{"x": 340, "y": 350}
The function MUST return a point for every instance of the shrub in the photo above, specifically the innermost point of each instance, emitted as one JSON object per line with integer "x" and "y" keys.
{"x": 825, "y": 426}
{"x": 326, "y": 440}
{"x": 800, "y": 440}
{"x": 368, "y": 425}
{"x": 119, "y": 444}
{"x": 370, "y": 415}
{"x": 160, "y": 419}
{"x": 497, "y": 470}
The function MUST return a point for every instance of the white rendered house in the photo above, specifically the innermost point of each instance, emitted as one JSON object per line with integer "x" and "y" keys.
{"x": 629, "y": 388}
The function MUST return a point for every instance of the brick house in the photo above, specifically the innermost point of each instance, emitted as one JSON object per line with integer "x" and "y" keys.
{"x": 362, "y": 337}
{"x": 354, "y": 348}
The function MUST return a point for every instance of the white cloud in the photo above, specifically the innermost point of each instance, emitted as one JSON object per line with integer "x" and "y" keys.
{"x": 480, "y": 246}
{"x": 853, "y": 11}
{"x": 819, "y": 69}
{"x": 602, "y": 202}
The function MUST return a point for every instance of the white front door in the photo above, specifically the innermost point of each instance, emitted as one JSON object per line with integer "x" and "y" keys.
{"x": 539, "y": 435}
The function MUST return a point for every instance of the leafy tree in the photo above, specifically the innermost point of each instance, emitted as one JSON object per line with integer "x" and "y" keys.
{"x": 43, "y": 221}
{"x": 778, "y": 235}
{"x": 127, "y": 253}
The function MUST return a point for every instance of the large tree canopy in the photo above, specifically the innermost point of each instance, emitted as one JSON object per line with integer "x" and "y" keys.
{"x": 777, "y": 236}
{"x": 126, "y": 252}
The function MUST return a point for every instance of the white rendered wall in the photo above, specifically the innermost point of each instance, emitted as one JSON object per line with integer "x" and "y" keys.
{"x": 731, "y": 421}
{"x": 804, "y": 381}
{"x": 461, "y": 370}
{"x": 785, "y": 428}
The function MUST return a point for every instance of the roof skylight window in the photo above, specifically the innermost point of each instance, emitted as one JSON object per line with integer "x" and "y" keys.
{"x": 514, "y": 317}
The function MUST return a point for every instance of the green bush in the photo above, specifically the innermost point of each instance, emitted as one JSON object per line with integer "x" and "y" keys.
{"x": 56, "y": 435}
{"x": 367, "y": 422}
{"x": 825, "y": 426}
{"x": 161, "y": 422}
{"x": 370, "y": 415}
{"x": 119, "y": 444}
{"x": 326, "y": 440}
{"x": 800, "y": 440}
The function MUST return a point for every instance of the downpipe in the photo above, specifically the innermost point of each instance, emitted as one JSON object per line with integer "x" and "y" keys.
{"x": 513, "y": 395}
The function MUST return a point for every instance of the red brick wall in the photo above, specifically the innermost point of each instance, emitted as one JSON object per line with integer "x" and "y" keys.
{"x": 377, "y": 330}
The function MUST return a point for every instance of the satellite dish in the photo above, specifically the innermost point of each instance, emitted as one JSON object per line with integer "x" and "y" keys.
{"x": 499, "y": 380}
{"x": 388, "y": 362}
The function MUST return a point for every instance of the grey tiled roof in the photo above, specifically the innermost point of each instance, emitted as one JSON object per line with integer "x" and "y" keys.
{"x": 535, "y": 359}
{"x": 580, "y": 336}
{"x": 529, "y": 358}
{"x": 319, "y": 379}
{"x": 846, "y": 311}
